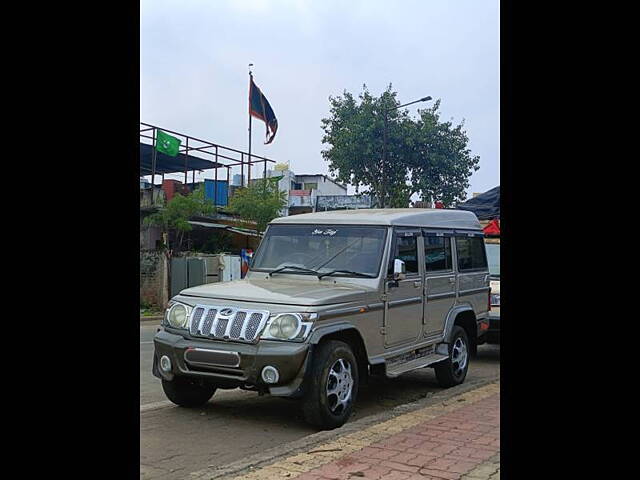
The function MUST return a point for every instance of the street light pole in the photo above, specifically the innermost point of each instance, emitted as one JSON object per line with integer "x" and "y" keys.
{"x": 384, "y": 161}
{"x": 383, "y": 192}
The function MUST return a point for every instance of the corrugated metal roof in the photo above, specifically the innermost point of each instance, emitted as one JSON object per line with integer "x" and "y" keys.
{"x": 209, "y": 225}
{"x": 167, "y": 164}
{"x": 228, "y": 228}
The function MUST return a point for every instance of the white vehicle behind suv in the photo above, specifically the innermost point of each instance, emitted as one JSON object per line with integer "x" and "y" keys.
{"x": 492, "y": 335}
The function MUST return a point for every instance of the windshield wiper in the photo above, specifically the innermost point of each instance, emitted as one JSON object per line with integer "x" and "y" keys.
{"x": 358, "y": 274}
{"x": 339, "y": 252}
{"x": 294, "y": 268}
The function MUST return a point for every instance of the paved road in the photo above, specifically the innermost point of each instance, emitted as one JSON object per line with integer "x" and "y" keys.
{"x": 176, "y": 441}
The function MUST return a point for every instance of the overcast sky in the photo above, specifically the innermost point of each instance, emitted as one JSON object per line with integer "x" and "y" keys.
{"x": 194, "y": 76}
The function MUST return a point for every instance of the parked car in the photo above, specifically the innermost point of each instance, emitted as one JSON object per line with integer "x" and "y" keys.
{"x": 492, "y": 335}
{"x": 331, "y": 298}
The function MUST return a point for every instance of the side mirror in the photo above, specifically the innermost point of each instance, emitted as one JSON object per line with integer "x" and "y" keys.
{"x": 399, "y": 270}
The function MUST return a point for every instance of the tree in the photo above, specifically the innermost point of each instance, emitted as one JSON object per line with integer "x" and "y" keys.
{"x": 176, "y": 214}
{"x": 259, "y": 202}
{"x": 424, "y": 156}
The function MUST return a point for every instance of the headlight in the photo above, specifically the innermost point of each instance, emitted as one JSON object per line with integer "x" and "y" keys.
{"x": 289, "y": 326}
{"x": 178, "y": 315}
{"x": 495, "y": 299}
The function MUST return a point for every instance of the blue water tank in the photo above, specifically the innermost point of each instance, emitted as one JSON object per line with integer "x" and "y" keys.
{"x": 222, "y": 189}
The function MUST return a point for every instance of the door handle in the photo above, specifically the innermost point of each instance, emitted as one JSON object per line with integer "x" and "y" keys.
{"x": 452, "y": 280}
{"x": 417, "y": 283}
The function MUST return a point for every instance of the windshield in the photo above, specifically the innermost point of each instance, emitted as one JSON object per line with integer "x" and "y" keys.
{"x": 321, "y": 248}
{"x": 493, "y": 257}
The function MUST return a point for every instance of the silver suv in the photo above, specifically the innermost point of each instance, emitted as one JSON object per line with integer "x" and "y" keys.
{"x": 331, "y": 298}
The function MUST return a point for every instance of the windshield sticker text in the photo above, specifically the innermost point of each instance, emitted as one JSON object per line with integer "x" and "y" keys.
{"x": 328, "y": 231}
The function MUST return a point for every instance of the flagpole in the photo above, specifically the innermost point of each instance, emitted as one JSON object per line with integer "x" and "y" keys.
{"x": 153, "y": 165}
{"x": 250, "y": 82}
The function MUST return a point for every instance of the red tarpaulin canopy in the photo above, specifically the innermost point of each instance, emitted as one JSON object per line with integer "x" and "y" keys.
{"x": 492, "y": 228}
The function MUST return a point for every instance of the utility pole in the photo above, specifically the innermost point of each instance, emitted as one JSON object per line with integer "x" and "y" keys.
{"x": 383, "y": 192}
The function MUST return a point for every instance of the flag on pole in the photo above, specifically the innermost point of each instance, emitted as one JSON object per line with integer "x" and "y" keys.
{"x": 259, "y": 107}
{"x": 167, "y": 144}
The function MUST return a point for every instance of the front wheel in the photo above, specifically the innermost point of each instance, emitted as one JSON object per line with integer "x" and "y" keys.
{"x": 333, "y": 386}
{"x": 186, "y": 392}
{"x": 453, "y": 370}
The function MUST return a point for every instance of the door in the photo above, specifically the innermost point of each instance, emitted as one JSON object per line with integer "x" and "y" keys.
{"x": 403, "y": 307}
{"x": 178, "y": 275}
{"x": 440, "y": 280}
{"x": 185, "y": 273}
{"x": 195, "y": 272}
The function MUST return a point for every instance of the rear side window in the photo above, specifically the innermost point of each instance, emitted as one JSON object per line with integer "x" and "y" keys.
{"x": 471, "y": 253}
{"x": 407, "y": 251}
{"x": 437, "y": 253}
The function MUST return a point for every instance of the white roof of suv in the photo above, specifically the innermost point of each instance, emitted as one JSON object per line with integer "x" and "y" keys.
{"x": 423, "y": 217}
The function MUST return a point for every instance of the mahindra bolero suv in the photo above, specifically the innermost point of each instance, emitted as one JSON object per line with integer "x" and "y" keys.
{"x": 331, "y": 298}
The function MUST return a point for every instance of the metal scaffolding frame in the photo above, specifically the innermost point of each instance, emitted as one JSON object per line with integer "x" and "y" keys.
{"x": 192, "y": 144}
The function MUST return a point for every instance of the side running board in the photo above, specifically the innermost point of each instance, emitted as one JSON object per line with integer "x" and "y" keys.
{"x": 420, "y": 358}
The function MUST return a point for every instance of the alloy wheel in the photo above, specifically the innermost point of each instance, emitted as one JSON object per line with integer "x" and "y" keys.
{"x": 459, "y": 356}
{"x": 339, "y": 386}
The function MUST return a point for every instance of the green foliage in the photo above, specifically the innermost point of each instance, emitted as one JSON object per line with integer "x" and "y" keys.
{"x": 424, "y": 156}
{"x": 259, "y": 202}
{"x": 176, "y": 214}
{"x": 218, "y": 242}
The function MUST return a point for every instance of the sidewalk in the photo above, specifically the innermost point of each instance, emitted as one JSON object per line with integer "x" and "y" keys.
{"x": 455, "y": 439}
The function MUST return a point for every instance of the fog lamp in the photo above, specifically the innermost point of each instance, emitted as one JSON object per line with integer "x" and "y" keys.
{"x": 270, "y": 374}
{"x": 165, "y": 364}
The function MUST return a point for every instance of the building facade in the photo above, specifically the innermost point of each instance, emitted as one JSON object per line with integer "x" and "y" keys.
{"x": 308, "y": 193}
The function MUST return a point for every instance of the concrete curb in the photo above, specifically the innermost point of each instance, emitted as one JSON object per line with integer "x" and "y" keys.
{"x": 305, "y": 444}
{"x": 157, "y": 319}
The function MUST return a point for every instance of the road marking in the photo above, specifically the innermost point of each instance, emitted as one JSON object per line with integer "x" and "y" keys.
{"x": 147, "y": 407}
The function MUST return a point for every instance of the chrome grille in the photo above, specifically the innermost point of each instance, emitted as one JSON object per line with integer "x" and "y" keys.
{"x": 208, "y": 321}
{"x": 195, "y": 321}
{"x": 221, "y": 327}
{"x": 241, "y": 325}
{"x": 236, "y": 325}
{"x": 252, "y": 325}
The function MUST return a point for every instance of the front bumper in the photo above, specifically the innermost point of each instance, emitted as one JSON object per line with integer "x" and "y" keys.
{"x": 245, "y": 367}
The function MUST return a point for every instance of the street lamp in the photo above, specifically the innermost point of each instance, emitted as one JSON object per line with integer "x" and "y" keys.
{"x": 384, "y": 145}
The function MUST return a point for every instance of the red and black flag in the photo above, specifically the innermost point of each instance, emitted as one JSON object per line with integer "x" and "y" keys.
{"x": 259, "y": 107}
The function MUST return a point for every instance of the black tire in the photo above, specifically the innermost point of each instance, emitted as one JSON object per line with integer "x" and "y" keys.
{"x": 321, "y": 409}
{"x": 448, "y": 372}
{"x": 187, "y": 393}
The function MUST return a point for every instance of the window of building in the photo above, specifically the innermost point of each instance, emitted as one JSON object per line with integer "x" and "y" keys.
{"x": 437, "y": 253}
{"x": 311, "y": 186}
{"x": 471, "y": 253}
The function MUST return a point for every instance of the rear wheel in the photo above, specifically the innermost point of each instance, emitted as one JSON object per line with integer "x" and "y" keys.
{"x": 187, "y": 393}
{"x": 333, "y": 386}
{"x": 453, "y": 370}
